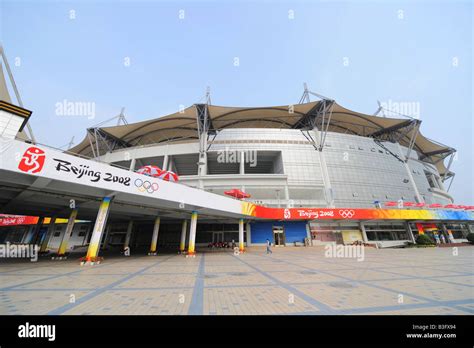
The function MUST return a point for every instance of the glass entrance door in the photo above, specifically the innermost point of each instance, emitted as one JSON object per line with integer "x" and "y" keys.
{"x": 217, "y": 237}
{"x": 278, "y": 235}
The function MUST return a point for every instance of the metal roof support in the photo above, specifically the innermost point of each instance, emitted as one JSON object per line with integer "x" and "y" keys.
{"x": 394, "y": 128}
{"x": 451, "y": 182}
{"x": 91, "y": 142}
{"x": 379, "y": 110}
{"x": 102, "y": 137}
{"x": 309, "y": 122}
{"x": 305, "y": 97}
{"x": 448, "y": 173}
{"x": 96, "y": 141}
{"x": 15, "y": 89}
{"x": 451, "y": 158}
{"x": 205, "y": 128}
{"x": 419, "y": 198}
{"x": 326, "y": 114}
{"x": 438, "y": 152}
{"x": 413, "y": 140}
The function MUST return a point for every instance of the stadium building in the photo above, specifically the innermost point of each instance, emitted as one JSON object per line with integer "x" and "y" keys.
{"x": 311, "y": 154}
{"x": 315, "y": 171}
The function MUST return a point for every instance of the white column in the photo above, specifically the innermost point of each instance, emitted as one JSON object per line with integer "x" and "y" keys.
{"x": 242, "y": 163}
{"x": 248, "y": 231}
{"x": 154, "y": 238}
{"x": 165, "y": 162}
{"x": 308, "y": 233}
{"x": 241, "y": 236}
{"x": 36, "y": 231}
{"x": 364, "y": 233}
{"x": 287, "y": 196}
{"x": 192, "y": 234}
{"x": 128, "y": 235}
{"x": 182, "y": 243}
{"x": 27, "y": 235}
{"x": 410, "y": 232}
{"x": 70, "y": 225}
{"x": 49, "y": 234}
{"x": 100, "y": 222}
{"x": 202, "y": 168}
{"x": 132, "y": 164}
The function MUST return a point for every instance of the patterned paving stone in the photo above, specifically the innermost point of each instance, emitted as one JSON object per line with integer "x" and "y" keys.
{"x": 431, "y": 289}
{"x": 421, "y": 272}
{"x": 172, "y": 269}
{"x": 211, "y": 268}
{"x": 464, "y": 280}
{"x": 304, "y": 276}
{"x": 229, "y": 279}
{"x": 36, "y": 302}
{"x": 7, "y": 280}
{"x": 159, "y": 281}
{"x": 432, "y": 281}
{"x": 253, "y": 300}
{"x": 365, "y": 274}
{"x": 143, "y": 302}
{"x": 348, "y": 295}
{"x": 76, "y": 281}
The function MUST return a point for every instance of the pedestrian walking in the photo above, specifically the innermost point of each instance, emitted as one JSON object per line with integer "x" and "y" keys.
{"x": 269, "y": 244}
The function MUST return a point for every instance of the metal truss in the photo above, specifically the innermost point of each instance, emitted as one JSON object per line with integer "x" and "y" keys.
{"x": 318, "y": 118}
{"x": 379, "y": 143}
{"x": 15, "y": 89}
{"x": 204, "y": 123}
{"x": 102, "y": 142}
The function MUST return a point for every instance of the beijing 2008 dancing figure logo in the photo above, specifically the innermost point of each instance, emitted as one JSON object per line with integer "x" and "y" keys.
{"x": 32, "y": 160}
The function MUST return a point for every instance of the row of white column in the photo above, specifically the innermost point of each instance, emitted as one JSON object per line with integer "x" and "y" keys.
{"x": 100, "y": 233}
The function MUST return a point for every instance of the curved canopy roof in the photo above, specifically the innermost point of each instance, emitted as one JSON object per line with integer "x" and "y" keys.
{"x": 327, "y": 115}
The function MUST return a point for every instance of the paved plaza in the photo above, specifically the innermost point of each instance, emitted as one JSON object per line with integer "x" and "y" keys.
{"x": 293, "y": 280}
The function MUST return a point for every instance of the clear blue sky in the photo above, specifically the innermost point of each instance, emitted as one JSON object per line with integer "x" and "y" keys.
{"x": 407, "y": 59}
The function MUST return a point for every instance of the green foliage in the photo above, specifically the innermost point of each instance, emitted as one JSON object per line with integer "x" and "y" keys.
{"x": 470, "y": 238}
{"x": 424, "y": 239}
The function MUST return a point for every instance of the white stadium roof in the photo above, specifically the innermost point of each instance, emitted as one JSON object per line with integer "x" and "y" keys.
{"x": 183, "y": 126}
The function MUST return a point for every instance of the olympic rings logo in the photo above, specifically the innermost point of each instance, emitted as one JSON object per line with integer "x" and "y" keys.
{"x": 146, "y": 186}
{"x": 347, "y": 214}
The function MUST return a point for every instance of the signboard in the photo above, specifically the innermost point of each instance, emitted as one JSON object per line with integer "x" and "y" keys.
{"x": 15, "y": 220}
{"x": 40, "y": 161}
{"x": 352, "y": 214}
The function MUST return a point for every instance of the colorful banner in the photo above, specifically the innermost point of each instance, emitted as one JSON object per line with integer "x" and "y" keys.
{"x": 15, "y": 220}
{"x": 258, "y": 211}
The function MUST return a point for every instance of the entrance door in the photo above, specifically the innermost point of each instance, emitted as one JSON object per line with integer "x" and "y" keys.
{"x": 279, "y": 235}
{"x": 217, "y": 237}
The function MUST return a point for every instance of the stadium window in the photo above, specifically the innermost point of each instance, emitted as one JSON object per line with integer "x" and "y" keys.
{"x": 431, "y": 180}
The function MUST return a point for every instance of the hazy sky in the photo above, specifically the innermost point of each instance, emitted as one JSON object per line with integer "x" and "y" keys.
{"x": 151, "y": 57}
